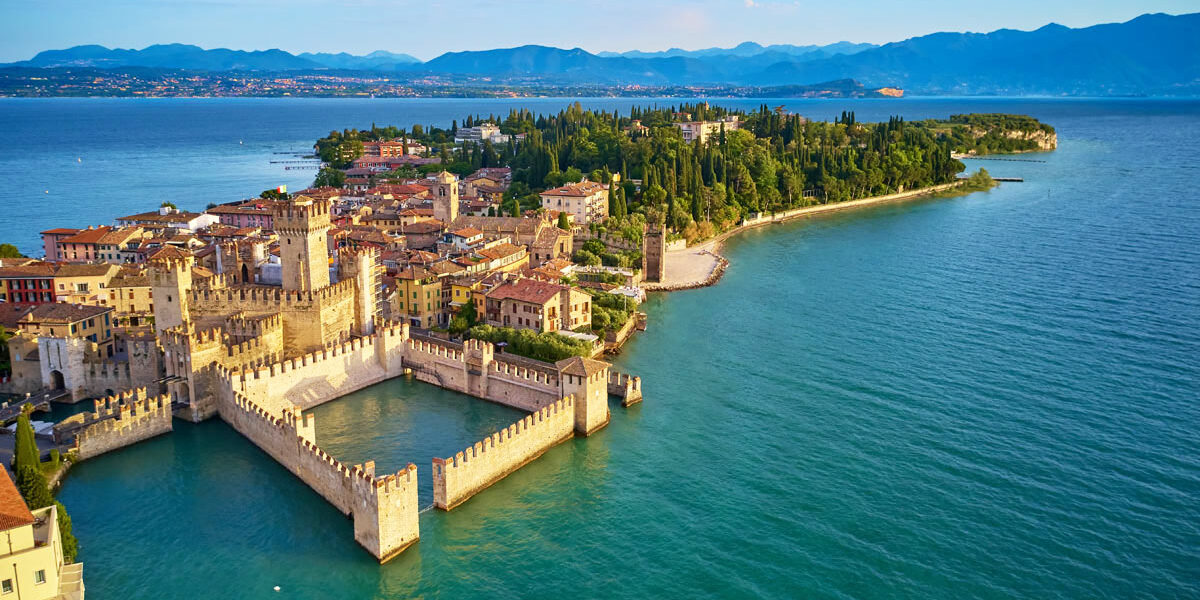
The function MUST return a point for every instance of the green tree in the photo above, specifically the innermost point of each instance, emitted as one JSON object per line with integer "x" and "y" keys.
{"x": 25, "y": 450}
{"x": 583, "y": 257}
{"x": 9, "y": 251}
{"x": 32, "y": 483}
{"x": 563, "y": 223}
{"x": 328, "y": 177}
{"x": 70, "y": 545}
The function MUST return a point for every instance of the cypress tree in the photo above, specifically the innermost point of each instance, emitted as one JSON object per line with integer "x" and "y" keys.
{"x": 25, "y": 452}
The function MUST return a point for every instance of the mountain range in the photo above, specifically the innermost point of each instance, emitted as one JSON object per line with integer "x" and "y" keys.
{"x": 1151, "y": 54}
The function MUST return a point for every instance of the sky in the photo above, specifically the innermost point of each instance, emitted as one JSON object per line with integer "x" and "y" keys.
{"x": 427, "y": 28}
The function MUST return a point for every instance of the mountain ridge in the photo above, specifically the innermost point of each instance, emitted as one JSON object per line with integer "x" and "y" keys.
{"x": 1152, "y": 53}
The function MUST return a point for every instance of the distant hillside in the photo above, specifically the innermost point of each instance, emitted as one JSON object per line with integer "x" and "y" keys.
{"x": 1152, "y": 54}
{"x": 378, "y": 60}
{"x": 171, "y": 56}
{"x": 752, "y": 49}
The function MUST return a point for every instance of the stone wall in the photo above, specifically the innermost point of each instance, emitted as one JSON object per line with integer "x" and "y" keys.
{"x": 626, "y": 387}
{"x": 311, "y": 319}
{"x": 384, "y": 509}
{"x": 321, "y": 376}
{"x": 456, "y": 479}
{"x": 120, "y": 421}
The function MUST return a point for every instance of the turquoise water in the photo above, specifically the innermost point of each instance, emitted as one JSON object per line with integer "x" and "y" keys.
{"x": 990, "y": 396}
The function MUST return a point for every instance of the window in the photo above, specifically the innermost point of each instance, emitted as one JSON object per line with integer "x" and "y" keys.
{"x": 39, "y": 576}
{"x": 6, "y": 586}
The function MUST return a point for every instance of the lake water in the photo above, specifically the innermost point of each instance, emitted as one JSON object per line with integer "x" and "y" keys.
{"x": 989, "y": 396}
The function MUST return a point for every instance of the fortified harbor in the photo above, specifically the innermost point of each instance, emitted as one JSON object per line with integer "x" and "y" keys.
{"x": 258, "y": 356}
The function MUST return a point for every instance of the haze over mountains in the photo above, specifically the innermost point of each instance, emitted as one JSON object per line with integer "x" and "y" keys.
{"x": 1152, "y": 54}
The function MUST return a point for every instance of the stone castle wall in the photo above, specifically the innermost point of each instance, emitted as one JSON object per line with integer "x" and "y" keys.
{"x": 626, "y": 387}
{"x": 120, "y": 421}
{"x": 478, "y": 373}
{"x": 384, "y": 509}
{"x": 311, "y": 319}
{"x": 318, "y": 377}
{"x": 458, "y": 478}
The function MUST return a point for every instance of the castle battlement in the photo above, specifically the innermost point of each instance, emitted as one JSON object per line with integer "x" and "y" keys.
{"x": 435, "y": 349}
{"x": 121, "y": 420}
{"x": 267, "y": 297}
{"x": 458, "y": 478}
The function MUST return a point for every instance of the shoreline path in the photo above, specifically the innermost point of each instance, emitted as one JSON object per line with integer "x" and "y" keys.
{"x": 702, "y": 265}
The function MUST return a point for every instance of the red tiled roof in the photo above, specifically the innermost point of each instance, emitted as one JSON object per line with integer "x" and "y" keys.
{"x": 61, "y": 231}
{"x": 13, "y": 511}
{"x": 526, "y": 290}
{"x": 87, "y": 236}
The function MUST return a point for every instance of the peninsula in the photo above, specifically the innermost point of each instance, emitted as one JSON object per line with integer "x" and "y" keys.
{"x": 500, "y": 257}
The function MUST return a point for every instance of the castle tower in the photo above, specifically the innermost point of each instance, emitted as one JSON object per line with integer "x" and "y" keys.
{"x": 364, "y": 267}
{"x": 303, "y": 226}
{"x": 445, "y": 197}
{"x": 654, "y": 250}
{"x": 170, "y": 281}
{"x": 587, "y": 380}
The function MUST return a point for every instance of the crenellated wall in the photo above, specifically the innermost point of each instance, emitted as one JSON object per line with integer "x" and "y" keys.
{"x": 458, "y": 478}
{"x": 123, "y": 420}
{"x": 311, "y": 319}
{"x": 384, "y": 509}
{"x": 626, "y": 387}
{"x": 321, "y": 376}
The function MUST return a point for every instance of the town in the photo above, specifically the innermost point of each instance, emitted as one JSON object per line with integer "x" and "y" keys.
{"x": 467, "y": 258}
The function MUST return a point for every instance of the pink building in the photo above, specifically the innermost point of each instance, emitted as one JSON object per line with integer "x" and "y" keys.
{"x": 51, "y": 238}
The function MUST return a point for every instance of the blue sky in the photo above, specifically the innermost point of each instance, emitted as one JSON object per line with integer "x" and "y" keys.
{"x": 428, "y": 28}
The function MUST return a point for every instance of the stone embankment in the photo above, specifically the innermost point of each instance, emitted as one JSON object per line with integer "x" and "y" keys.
{"x": 703, "y": 265}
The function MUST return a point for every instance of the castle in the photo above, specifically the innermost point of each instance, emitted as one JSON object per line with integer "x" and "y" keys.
{"x": 257, "y": 356}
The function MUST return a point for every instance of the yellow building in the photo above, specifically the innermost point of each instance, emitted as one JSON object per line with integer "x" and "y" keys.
{"x": 31, "y": 557}
{"x": 92, "y": 323}
{"x": 83, "y": 283}
{"x": 418, "y": 299}
{"x": 130, "y": 295}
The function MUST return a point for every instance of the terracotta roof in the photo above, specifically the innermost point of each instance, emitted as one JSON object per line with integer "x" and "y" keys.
{"x": 83, "y": 270}
{"x": 33, "y": 271}
{"x": 61, "y": 231}
{"x": 500, "y": 251}
{"x": 155, "y": 217}
{"x": 467, "y": 232}
{"x": 169, "y": 252}
{"x": 13, "y": 511}
{"x": 87, "y": 236}
{"x": 64, "y": 313}
{"x": 423, "y": 227}
{"x": 580, "y": 367}
{"x": 10, "y": 314}
{"x": 526, "y": 290}
{"x": 585, "y": 188}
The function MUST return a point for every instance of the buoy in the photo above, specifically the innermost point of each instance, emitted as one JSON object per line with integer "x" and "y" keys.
{"x": 46, "y": 192}
{"x": 80, "y": 159}
{"x": 277, "y": 588}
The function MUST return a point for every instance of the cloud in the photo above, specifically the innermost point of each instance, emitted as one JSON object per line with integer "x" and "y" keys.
{"x": 751, "y": 3}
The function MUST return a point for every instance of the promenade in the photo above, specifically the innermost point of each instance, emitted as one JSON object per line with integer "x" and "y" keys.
{"x": 702, "y": 264}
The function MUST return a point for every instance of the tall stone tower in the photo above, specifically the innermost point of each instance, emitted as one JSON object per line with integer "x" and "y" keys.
{"x": 363, "y": 266}
{"x": 587, "y": 380}
{"x": 303, "y": 226}
{"x": 445, "y": 197}
{"x": 654, "y": 250}
{"x": 170, "y": 280}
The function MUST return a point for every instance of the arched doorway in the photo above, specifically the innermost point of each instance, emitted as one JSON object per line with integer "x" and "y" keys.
{"x": 56, "y": 380}
{"x": 183, "y": 395}
{"x": 245, "y": 274}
